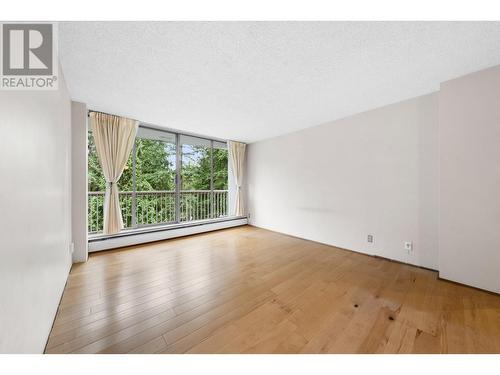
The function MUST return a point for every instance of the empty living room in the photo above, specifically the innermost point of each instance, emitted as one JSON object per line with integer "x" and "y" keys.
{"x": 249, "y": 183}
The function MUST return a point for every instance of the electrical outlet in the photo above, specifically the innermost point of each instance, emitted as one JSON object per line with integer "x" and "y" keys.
{"x": 370, "y": 238}
{"x": 409, "y": 247}
{"x": 71, "y": 248}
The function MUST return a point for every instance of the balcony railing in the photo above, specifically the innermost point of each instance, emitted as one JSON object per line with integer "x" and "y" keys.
{"x": 158, "y": 207}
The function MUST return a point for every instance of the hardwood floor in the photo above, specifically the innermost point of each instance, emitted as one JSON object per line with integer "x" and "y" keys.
{"x": 248, "y": 290}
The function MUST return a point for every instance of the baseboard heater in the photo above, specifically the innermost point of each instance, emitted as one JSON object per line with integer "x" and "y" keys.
{"x": 144, "y": 235}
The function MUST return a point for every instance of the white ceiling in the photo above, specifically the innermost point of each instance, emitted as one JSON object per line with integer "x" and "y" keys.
{"x": 253, "y": 80}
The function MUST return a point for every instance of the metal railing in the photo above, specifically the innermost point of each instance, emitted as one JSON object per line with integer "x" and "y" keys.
{"x": 144, "y": 208}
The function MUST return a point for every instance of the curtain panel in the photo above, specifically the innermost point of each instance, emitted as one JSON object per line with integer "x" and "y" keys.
{"x": 237, "y": 159}
{"x": 114, "y": 138}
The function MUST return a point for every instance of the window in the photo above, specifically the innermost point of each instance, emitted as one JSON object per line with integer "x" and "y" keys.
{"x": 169, "y": 178}
{"x": 196, "y": 177}
{"x": 220, "y": 178}
{"x": 155, "y": 171}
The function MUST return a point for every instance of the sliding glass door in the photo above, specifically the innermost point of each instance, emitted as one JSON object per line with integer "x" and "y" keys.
{"x": 220, "y": 179}
{"x": 169, "y": 178}
{"x": 154, "y": 167}
{"x": 196, "y": 177}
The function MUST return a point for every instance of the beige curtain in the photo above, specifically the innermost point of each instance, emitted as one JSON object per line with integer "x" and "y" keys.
{"x": 237, "y": 159}
{"x": 114, "y": 138}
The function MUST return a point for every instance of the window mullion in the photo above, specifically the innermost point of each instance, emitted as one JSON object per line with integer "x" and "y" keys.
{"x": 134, "y": 185}
{"x": 211, "y": 179}
{"x": 178, "y": 165}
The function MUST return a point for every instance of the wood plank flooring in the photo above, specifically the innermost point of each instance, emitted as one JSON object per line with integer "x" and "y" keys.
{"x": 248, "y": 290}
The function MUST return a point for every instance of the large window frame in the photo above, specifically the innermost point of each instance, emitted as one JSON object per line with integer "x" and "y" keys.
{"x": 135, "y": 225}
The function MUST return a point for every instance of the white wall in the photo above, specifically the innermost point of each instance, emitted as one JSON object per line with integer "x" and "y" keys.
{"x": 35, "y": 215}
{"x": 372, "y": 173}
{"x": 469, "y": 141}
{"x": 79, "y": 181}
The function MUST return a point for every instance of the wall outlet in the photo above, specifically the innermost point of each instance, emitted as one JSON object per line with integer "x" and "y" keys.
{"x": 370, "y": 238}
{"x": 409, "y": 247}
{"x": 71, "y": 248}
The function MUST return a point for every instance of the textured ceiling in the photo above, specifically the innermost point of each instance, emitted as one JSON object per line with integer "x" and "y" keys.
{"x": 253, "y": 80}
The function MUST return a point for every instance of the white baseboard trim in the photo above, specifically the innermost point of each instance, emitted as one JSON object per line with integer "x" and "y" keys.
{"x": 158, "y": 235}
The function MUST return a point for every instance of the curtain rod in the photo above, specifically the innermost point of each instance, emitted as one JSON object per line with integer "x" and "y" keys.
{"x": 168, "y": 130}
{"x": 105, "y": 113}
